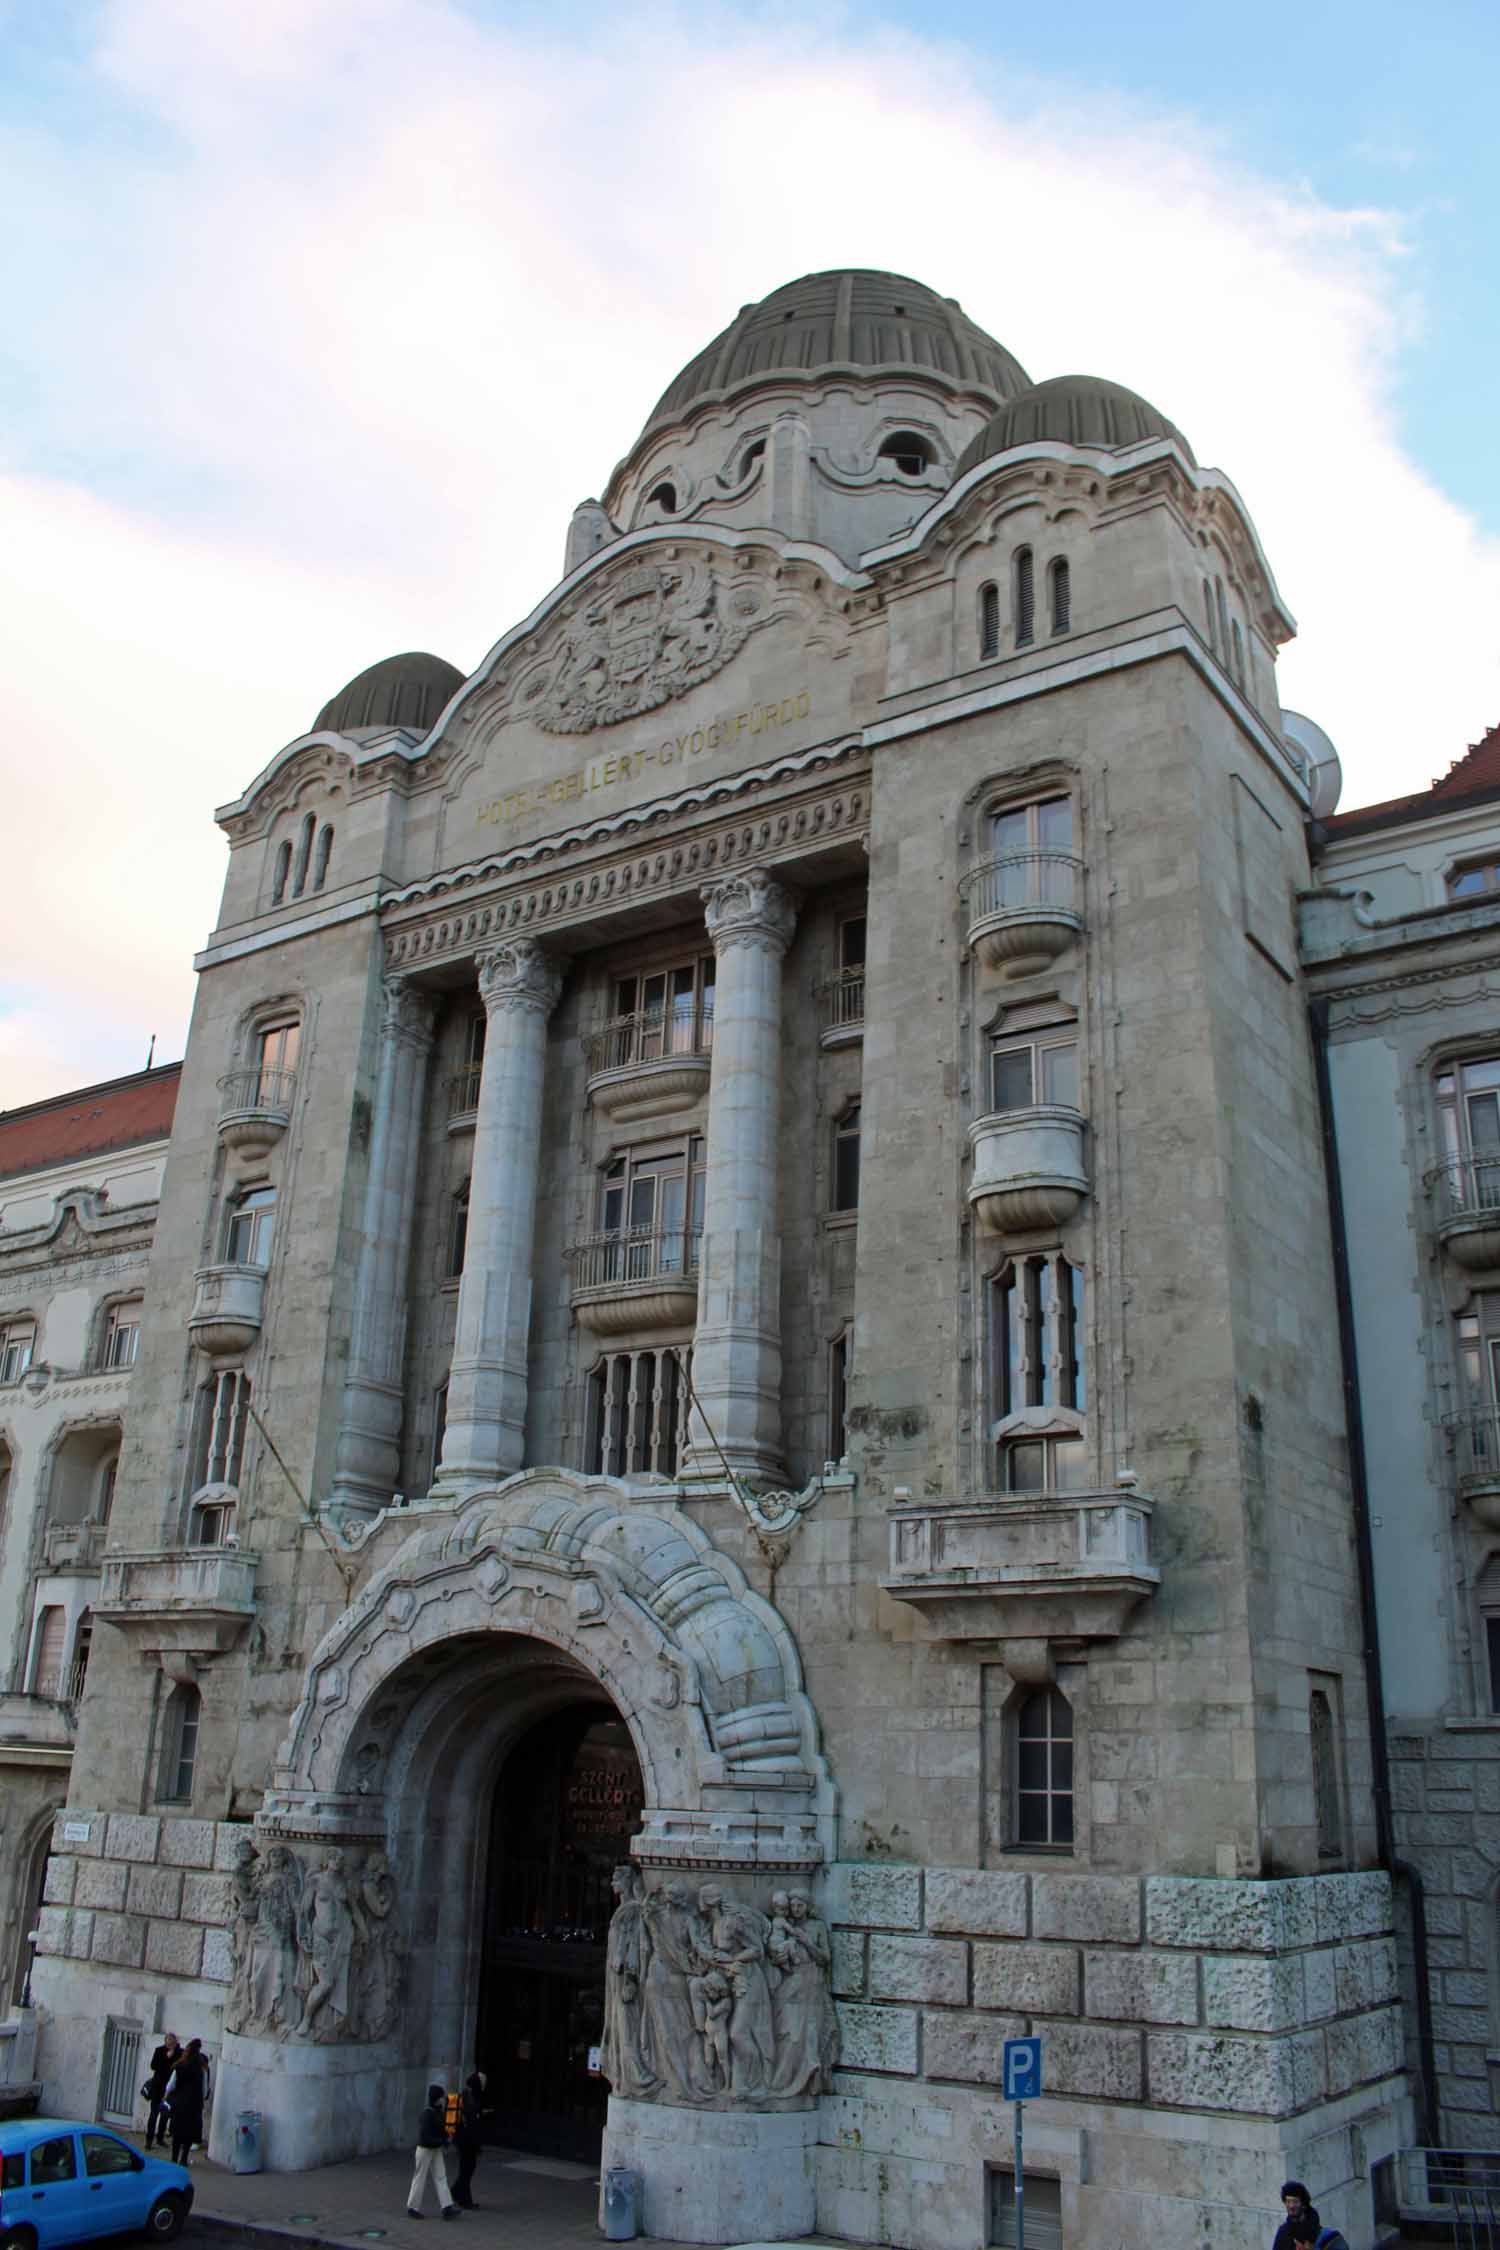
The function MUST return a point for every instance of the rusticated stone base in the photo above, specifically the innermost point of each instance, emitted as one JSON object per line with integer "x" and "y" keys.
{"x": 717, "y": 2176}
{"x": 318, "y": 2104}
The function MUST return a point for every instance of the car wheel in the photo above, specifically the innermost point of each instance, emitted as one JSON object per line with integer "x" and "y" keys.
{"x": 17, "y": 2238}
{"x": 164, "y": 2220}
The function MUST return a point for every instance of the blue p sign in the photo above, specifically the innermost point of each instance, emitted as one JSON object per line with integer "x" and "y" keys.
{"x": 1021, "y": 2069}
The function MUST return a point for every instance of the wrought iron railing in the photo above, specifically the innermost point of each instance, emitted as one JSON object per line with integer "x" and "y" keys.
{"x": 843, "y": 1001}
{"x": 1465, "y": 1187}
{"x": 60, "y": 1683}
{"x": 651, "y": 1035}
{"x": 1049, "y": 882}
{"x": 257, "y": 1088}
{"x": 463, "y": 1090}
{"x": 1454, "y": 2187}
{"x": 1475, "y": 1438}
{"x": 623, "y": 1261}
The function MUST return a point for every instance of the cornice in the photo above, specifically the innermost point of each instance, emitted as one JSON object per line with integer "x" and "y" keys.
{"x": 100, "y": 1226}
{"x": 1408, "y": 992}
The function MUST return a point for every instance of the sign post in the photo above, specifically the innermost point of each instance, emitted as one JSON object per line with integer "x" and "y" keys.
{"x": 1021, "y": 2076}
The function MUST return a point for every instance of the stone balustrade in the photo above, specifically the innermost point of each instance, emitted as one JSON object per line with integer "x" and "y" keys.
{"x": 1049, "y": 1567}
{"x": 191, "y": 1600}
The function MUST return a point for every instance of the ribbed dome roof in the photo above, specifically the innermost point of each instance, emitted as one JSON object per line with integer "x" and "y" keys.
{"x": 1072, "y": 410}
{"x": 846, "y": 319}
{"x": 399, "y": 691}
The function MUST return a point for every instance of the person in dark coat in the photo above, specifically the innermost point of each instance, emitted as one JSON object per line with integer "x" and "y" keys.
{"x": 163, "y": 2063}
{"x": 186, "y": 2096}
{"x": 468, "y": 2139}
{"x": 432, "y": 2139}
{"x": 1308, "y": 2235}
{"x": 1298, "y": 2206}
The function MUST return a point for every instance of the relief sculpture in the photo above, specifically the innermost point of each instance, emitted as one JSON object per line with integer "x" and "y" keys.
{"x": 650, "y": 635}
{"x": 712, "y": 2003}
{"x": 314, "y": 1946}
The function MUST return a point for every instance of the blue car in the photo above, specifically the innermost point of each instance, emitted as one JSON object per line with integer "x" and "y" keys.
{"x": 63, "y": 2182}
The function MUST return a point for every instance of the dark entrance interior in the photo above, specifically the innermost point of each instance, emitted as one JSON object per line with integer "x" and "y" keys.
{"x": 567, "y": 1803}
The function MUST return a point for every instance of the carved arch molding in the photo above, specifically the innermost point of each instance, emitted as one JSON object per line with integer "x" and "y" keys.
{"x": 631, "y": 1589}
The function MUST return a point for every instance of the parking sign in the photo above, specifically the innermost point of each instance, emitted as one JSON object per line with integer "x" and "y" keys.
{"x": 1021, "y": 2069}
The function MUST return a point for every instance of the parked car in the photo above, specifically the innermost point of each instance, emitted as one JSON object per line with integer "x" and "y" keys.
{"x": 64, "y": 2182}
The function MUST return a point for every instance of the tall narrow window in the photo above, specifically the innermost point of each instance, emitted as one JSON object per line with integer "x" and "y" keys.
{"x": 1323, "y": 1738}
{"x": 47, "y": 1670}
{"x": 637, "y": 1412}
{"x": 283, "y": 871}
{"x": 275, "y": 1060}
{"x": 1038, "y": 1389}
{"x": 1060, "y": 583}
{"x": 220, "y": 1423}
{"x": 321, "y": 857}
{"x": 1044, "y": 1771}
{"x": 1025, "y": 577}
{"x": 17, "y": 1343}
{"x": 179, "y": 1745}
{"x": 109, "y": 1477}
{"x": 122, "y": 1334}
{"x": 304, "y": 854}
{"x": 463, "y": 1086}
{"x": 846, "y": 1160}
{"x": 1223, "y": 612}
{"x": 1238, "y": 642}
{"x": 251, "y": 1224}
{"x": 1034, "y": 1065}
{"x": 838, "y": 1397}
{"x": 1208, "y": 615}
{"x": 989, "y": 620}
{"x": 458, "y": 1231}
{"x": 439, "y": 1428}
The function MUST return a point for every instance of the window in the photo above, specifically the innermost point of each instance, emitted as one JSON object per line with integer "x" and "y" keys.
{"x": 104, "y": 2156}
{"x": 1044, "y": 1771}
{"x": 179, "y": 1745}
{"x": 1060, "y": 584}
{"x": 1492, "y": 1652}
{"x": 1468, "y": 1109}
{"x": 912, "y": 455}
{"x": 846, "y": 1160}
{"x": 753, "y": 452}
{"x": 658, "y": 1013}
{"x": 463, "y": 1086}
{"x": 989, "y": 620}
{"x": 283, "y": 872}
{"x": 838, "y": 1397}
{"x": 304, "y": 854}
{"x": 1239, "y": 651}
{"x": 663, "y": 496}
{"x": 275, "y": 1060}
{"x": 109, "y": 1478}
{"x": 1037, "y": 1374}
{"x": 1032, "y": 1064}
{"x": 17, "y": 1343}
{"x": 1046, "y": 826}
{"x": 251, "y": 1224}
{"x": 1222, "y": 608}
{"x": 1323, "y": 1741}
{"x": 1473, "y": 878}
{"x": 122, "y": 1333}
{"x": 844, "y": 998}
{"x": 638, "y": 1413}
{"x": 53, "y": 2161}
{"x": 1025, "y": 602}
{"x": 652, "y": 1200}
{"x": 51, "y": 1641}
{"x": 321, "y": 857}
{"x": 1043, "y": 2206}
{"x": 458, "y": 1231}
{"x": 439, "y": 1428}
{"x": 220, "y": 1424}
{"x": 1208, "y": 615}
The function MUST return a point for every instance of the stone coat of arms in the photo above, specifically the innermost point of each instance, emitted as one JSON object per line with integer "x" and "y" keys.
{"x": 656, "y": 631}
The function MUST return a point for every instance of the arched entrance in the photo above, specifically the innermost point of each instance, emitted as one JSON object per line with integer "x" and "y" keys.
{"x": 567, "y": 1802}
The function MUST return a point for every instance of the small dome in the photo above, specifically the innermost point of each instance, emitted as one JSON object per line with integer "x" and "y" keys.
{"x": 850, "y": 320}
{"x": 1072, "y": 410}
{"x": 399, "y": 691}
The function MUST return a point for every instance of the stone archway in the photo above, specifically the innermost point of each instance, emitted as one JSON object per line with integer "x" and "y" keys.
{"x": 477, "y": 1619}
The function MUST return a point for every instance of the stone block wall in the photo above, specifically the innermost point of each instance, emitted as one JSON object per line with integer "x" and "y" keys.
{"x": 141, "y": 1891}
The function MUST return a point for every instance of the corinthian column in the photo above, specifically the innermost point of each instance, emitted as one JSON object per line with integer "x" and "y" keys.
{"x": 737, "y": 1345}
{"x": 367, "y": 1463}
{"x": 485, "y": 1435}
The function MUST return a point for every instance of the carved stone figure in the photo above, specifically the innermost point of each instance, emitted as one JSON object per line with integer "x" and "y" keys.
{"x": 807, "y": 2026}
{"x": 378, "y": 1972}
{"x": 737, "y": 1941}
{"x": 274, "y": 2005}
{"x": 623, "y": 2056}
{"x": 242, "y": 1934}
{"x": 679, "y": 1952}
{"x": 329, "y": 1922}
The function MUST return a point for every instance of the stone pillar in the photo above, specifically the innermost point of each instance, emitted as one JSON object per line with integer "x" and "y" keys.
{"x": 485, "y": 1436}
{"x": 367, "y": 1463}
{"x": 737, "y": 1346}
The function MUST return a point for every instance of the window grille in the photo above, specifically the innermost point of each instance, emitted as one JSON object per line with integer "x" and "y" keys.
{"x": 222, "y": 1422}
{"x": 1038, "y": 1375}
{"x": 122, "y": 2072}
{"x": 1025, "y": 597}
{"x": 638, "y": 1412}
{"x": 1043, "y": 2210}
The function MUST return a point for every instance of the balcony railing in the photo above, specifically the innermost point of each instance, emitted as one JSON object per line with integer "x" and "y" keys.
{"x": 842, "y": 1002}
{"x": 1023, "y": 908}
{"x": 1474, "y": 1436}
{"x": 1064, "y": 1567}
{"x": 650, "y": 1063}
{"x": 1465, "y": 1192}
{"x": 60, "y": 1683}
{"x": 74, "y": 1546}
{"x": 255, "y": 1106}
{"x": 193, "y": 1599}
{"x": 463, "y": 1091}
{"x": 636, "y": 1280}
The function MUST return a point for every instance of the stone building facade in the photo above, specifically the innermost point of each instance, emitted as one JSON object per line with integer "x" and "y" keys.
{"x": 743, "y": 1288}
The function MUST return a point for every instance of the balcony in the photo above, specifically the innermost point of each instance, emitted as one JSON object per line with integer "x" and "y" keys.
{"x": 63, "y": 1684}
{"x": 626, "y": 1282}
{"x": 841, "y": 1005}
{"x": 463, "y": 1097}
{"x": 1474, "y": 1437}
{"x": 1056, "y": 1568}
{"x": 74, "y": 1547}
{"x": 193, "y": 1601}
{"x": 1023, "y": 909}
{"x": 227, "y": 1308}
{"x": 1465, "y": 1194}
{"x": 255, "y": 1107}
{"x": 1028, "y": 1167}
{"x": 650, "y": 1064}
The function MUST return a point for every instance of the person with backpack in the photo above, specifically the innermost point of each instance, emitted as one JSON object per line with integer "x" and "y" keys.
{"x": 432, "y": 2139}
{"x": 468, "y": 2139}
{"x": 1308, "y": 2235}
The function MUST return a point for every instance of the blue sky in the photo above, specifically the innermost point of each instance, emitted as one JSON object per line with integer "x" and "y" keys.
{"x": 322, "y": 315}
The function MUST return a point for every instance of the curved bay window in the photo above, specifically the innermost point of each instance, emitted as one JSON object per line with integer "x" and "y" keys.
{"x": 1043, "y": 1748}
{"x": 1037, "y": 1377}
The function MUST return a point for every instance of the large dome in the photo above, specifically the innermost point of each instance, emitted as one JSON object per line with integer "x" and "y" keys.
{"x": 851, "y": 320}
{"x": 399, "y": 691}
{"x": 1072, "y": 410}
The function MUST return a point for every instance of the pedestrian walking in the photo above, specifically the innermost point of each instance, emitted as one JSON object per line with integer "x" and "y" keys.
{"x": 186, "y": 2096}
{"x": 1308, "y": 2235}
{"x": 432, "y": 2139}
{"x": 154, "y": 2092}
{"x": 1298, "y": 2205}
{"x": 469, "y": 2139}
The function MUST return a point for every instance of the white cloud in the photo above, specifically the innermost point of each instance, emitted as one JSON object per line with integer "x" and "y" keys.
{"x": 326, "y": 346}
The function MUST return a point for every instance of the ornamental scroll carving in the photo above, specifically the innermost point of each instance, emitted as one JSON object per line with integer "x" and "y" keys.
{"x": 653, "y": 633}
{"x": 712, "y": 2003}
{"x": 314, "y": 1945}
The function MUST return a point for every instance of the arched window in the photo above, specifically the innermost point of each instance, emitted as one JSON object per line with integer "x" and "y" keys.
{"x": 283, "y": 872}
{"x": 1059, "y": 579}
{"x": 1038, "y": 1386}
{"x": 1043, "y": 1764}
{"x": 321, "y": 858}
{"x": 1025, "y": 603}
{"x": 663, "y": 496}
{"x": 845, "y": 1195}
{"x": 304, "y": 854}
{"x": 179, "y": 1745}
{"x": 458, "y": 1231}
{"x": 989, "y": 620}
{"x": 913, "y": 455}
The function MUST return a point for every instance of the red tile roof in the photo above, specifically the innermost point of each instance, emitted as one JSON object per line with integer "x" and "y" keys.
{"x": 1470, "y": 780}
{"x": 117, "y": 1114}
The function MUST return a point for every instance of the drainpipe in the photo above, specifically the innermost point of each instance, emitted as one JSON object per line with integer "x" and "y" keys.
{"x": 1402, "y": 1870}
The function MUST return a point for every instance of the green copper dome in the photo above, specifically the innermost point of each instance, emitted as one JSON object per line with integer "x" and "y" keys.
{"x": 1072, "y": 410}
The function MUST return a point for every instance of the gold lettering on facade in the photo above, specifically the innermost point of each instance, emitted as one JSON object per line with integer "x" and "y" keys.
{"x": 629, "y": 765}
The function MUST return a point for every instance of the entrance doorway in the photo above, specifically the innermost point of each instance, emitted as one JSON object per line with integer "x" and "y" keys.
{"x": 567, "y": 1803}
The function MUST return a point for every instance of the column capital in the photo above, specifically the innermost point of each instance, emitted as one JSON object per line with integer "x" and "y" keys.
{"x": 519, "y": 974}
{"x": 749, "y": 908}
{"x": 406, "y": 1013}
